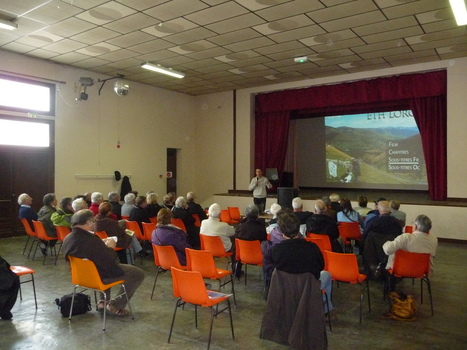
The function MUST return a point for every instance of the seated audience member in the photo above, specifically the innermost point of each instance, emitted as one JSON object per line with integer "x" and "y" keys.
{"x": 112, "y": 228}
{"x": 180, "y": 211}
{"x": 168, "y": 234}
{"x": 335, "y": 202}
{"x": 212, "y": 226}
{"x": 87, "y": 198}
{"x": 372, "y": 214}
{"x": 129, "y": 200}
{"x": 320, "y": 223}
{"x": 62, "y": 217}
{"x": 96, "y": 199}
{"x": 294, "y": 303}
{"x": 45, "y": 215}
{"x": 419, "y": 241}
{"x": 297, "y": 205}
{"x": 139, "y": 213}
{"x": 250, "y": 229}
{"x": 275, "y": 208}
{"x": 362, "y": 208}
{"x": 195, "y": 208}
{"x": 79, "y": 204}
{"x": 114, "y": 200}
{"x": 25, "y": 210}
{"x": 381, "y": 229}
{"x": 398, "y": 214}
{"x": 347, "y": 214}
{"x": 82, "y": 243}
{"x": 168, "y": 200}
{"x": 153, "y": 207}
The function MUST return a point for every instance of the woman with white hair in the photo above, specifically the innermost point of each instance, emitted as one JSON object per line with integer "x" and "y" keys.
{"x": 180, "y": 211}
{"x": 129, "y": 204}
{"x": 153, "y": 207}
{"x": 275, "y": 208}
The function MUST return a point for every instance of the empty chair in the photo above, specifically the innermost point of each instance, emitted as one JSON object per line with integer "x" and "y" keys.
{"x": 234, "y": 213}
{"x": 164, "y": 258}
{"x": 189, "y": 287}
{"x": 62, "y": 232}
{"x": 344, "y": 268}
{"x": 42, "y": 235}
{"x": 179, "y": 223}
{"x": 412, "y": 265}
{"x": 21, "y": 271}
{"x": 215, "y": 246}
{"x": 248, "y": 253}
{"x": 225, "y": 217}
{"x": 323, "y": 244}
{"x": 31, "y": 235}
{"x": 84, "y": 274}
{"x": 148, "y": 227}
{"x": 349, "y": 231}
{"x": 203, "y": 261}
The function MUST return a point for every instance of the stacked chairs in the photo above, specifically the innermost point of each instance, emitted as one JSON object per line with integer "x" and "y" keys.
{"x": 234, "y": 213}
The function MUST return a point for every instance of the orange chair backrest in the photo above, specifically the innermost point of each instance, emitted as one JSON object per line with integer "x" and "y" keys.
{"x": 342, "y": 267}
{"x": 408, "y": 229}
{"x": 133, "y": 226}
{"x": 84, "y": 273}
{"x": 202, "y": 261}
{"x": 179, "y": 223}
{"x": 323, "y": 241}
{"x": 153, "y": 220}
{"x": 234, "y": 213}
{"x": 249, "y": 252}
{"x": 125, "y": 217}
{"x": 28, "y": 228}
{"x": 213, "y": 244}
{"x": 148, "y": 227}
{"x": 165, "y": 257}
{"x": 197, "y": 220}
{"x": 225, "y": 216}
{"x": 62, "y": 232}
{"x": 189, "y": 285}
{"x": 101, "y": 234}
{"x": 349, "y": 230}
{"x": 40, "y": 231}
{"x": 408, "y": 264}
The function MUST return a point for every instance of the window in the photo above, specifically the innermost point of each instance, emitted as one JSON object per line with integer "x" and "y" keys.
{"x": 17, "y": 94}
{"x": 16, "y": 133}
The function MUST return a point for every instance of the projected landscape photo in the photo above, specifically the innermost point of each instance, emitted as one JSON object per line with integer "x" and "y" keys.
{"x": 374, "y": 148}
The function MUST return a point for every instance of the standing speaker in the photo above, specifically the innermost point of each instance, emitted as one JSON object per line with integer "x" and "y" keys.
{"x": 285, "y": 196}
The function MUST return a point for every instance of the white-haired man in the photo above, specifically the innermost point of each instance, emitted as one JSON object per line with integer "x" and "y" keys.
{"x": 212, "y": 226}
{"x": 96, "y": 199}
{"x": 193, "y": 207}
{"x": 297, "y": 205}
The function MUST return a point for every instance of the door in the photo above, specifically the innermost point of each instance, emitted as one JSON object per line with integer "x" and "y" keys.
{"x": 172, "y": 169}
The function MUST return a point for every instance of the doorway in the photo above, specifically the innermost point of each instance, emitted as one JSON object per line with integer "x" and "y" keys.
{"x": 172, "y": 170}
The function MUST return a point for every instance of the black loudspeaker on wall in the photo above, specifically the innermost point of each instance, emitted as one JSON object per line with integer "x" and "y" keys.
{"x": 285, "y": 196}
{"x": 287, "y": 179}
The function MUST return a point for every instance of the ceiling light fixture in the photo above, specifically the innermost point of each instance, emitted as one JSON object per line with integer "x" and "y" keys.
{"x": 159, "y": 69}
{"x": 302, "y": 59}
{"x": 4, "y": 24}
{"x": 460, "y": 12}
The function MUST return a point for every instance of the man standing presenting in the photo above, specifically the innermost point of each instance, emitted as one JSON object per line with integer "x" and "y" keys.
{"x": 259, "y": 186}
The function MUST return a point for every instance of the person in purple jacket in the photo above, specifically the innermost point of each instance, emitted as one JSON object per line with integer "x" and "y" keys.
{"x": 168, "y": 234}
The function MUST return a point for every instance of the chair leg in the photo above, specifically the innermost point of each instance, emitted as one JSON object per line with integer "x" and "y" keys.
{"x": 34, "y": 289}
{"x": 72, "y": 303}
{"x": 27, "y": 242}
{"x": 231, "y": 321}
{"x": 233, "y": 289}
{"x": 246, "y": 272}
{"x": 210, "y": 328}
{"x": 128, "y": 302}
{"x": 105, "y": 310}
{"x": 196, "y": 316}
{"x": 329, "y": 311}
{"x": 428, "y": 284}
{"x": 368, "y": 294}
{"x": 177, "y": 304}
{"x": 361, "y": 303}
{"x": 34, "y": 241}
{"x": 155, "y": 280}
{"x": 56, "y": 257}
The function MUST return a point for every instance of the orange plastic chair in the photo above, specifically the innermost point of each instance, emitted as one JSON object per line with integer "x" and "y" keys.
{"x": 179, "y": 223}
{"x": 42, "y": 235}
{"x": 248, "y": 253}
{"x": 323, "y": 244}
{"x": 412, "y": 265}
{"x": 344, "y": 268}
{"x": 408, "y": 229}
{"x": 349, "y": 231}
{"x": 153, "y": 220}
{"x": 84, "y": 274}
{"x": 203, "y": 261}
{"x": 225, "y": 217}
{"x": 189, "y": 287}
{"x": 133, "y": 226}
{"x": 125, "y": 217}
{"x": 31, "y": 234}
{"x": 164, "y": 258}
{"x": 215, "y": 246}
{"x": 234, "y": 213}
{"x": 148, "y": 227}
{"x": 197, "y": 220}
{"x": 62, "y": 232}
{"x": 21, "y": 271}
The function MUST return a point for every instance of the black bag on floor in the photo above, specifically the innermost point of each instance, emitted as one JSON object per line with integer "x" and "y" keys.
{"x": 81, "y": 305}
{"x": 9, "y": 286}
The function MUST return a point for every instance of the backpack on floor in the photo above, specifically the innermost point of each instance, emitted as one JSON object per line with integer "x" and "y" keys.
{"x": 81, "y": 304}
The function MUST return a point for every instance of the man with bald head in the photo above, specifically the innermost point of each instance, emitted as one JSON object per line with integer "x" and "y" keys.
{"x": 381, "y": 229}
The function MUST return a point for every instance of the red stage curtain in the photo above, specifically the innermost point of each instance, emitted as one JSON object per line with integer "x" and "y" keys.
{"x": 425, "y": 93}
{"x": 271, "y": 133}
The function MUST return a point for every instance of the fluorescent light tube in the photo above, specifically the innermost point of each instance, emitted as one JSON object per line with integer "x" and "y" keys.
{"x": 460, "y": 11}
{"x": 8, "y": 25}
{"x": 159, "y": 69}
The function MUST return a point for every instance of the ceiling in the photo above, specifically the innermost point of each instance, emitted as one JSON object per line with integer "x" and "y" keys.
{"x": 224, "y": 45}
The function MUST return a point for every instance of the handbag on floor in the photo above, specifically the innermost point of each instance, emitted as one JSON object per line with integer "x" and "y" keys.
{"x": 403, "y": 307}
{"x": 81, "y": 304}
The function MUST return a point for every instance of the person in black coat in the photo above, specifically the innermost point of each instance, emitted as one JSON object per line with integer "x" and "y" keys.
{"x": 320, "y": 223}
{"x": 139, "y": 213}
{"x": 180, "y": 211}
{"x": 9, "y": 286}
